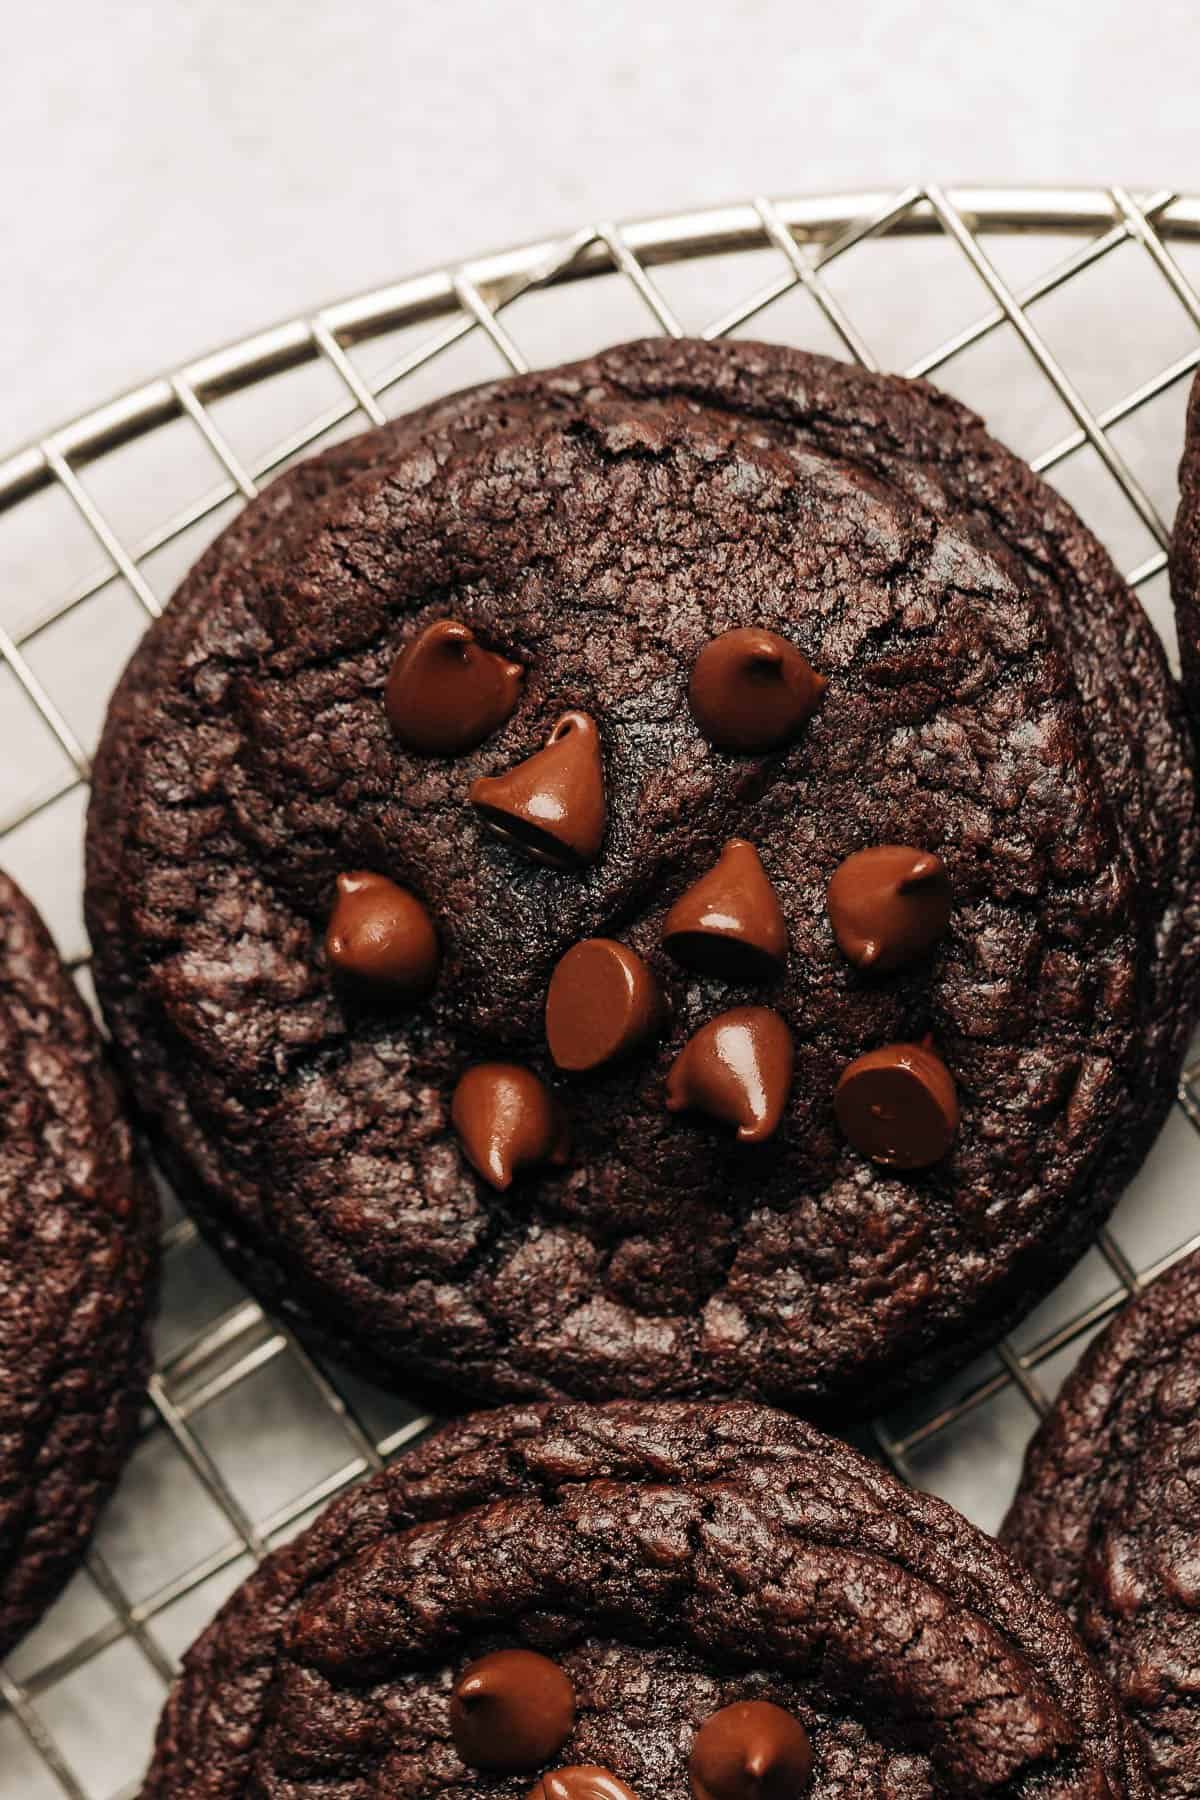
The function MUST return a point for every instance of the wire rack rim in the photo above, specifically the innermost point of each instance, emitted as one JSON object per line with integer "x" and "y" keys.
{"x": 667, "y": 237}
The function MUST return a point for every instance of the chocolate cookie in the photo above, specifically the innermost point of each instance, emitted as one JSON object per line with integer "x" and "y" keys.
{"x": 585, "y": 687}
{"x": 590, "y": 1602}
{"x": 1185, "y": 558}
{"x": 1107, "y": 1519}
{"x": 77, "y": 1256}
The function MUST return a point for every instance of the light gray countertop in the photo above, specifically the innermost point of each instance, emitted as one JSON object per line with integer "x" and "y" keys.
{"x": 177, "y": 174}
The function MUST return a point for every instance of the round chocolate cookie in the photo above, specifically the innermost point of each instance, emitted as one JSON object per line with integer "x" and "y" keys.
{"x": 592, "y": 1602}
{"x": 1185, "y": 559}
{"x": 1107, "y": 1516}
{"x": 582, "y": 688}
{"x": 78, "y": 1236}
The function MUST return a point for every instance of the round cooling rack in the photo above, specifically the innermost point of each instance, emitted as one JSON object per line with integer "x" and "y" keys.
{"x": 1069, "y": 318}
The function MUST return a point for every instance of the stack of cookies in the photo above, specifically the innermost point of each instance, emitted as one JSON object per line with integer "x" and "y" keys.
{"x": 663, "y": 896}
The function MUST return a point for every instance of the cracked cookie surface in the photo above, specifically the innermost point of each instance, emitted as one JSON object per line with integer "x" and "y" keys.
{"x": 1185, "y": 559}
{"x": 78, "y": 1235}
{"x": 1106, "y": 1515}
{"x": 672, "y": 1559}
{"x": 995, "y": 695}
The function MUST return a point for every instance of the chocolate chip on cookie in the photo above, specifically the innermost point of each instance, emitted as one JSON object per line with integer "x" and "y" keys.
{"x": 752, "y": 1750}
{"x": 380, "y": 934}
{"x": 446, "y": 693}
{"x": 513, "y": 1709}
{"x": 737, "y": 1068}
{"x": 898, "y": 1105}
{"x": 729, "y": 923}
{"x": 888, "y": 905}
{"x": 551, "y": 805}
{"x": 506, "y": 1119}
{"x": 751, "y": 690}
{"x": 603, "y": 1002}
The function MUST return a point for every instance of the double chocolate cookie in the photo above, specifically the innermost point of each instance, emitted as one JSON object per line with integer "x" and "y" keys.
{"x": 630, "y": 1602}
{"x": 1107, "y": 1516}
{"x": 77, "y": 1256}
{"x": 670, "y": 875}
{"x": 1185, "y": 558}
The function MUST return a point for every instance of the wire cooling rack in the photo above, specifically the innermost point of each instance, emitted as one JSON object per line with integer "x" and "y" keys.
{"x": 1070, "y": 319}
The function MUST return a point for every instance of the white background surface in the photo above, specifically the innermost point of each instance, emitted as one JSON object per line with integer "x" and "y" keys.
{"x": 179, "y": 174}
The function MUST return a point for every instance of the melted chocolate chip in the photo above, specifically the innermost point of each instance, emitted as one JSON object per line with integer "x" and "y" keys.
{"x": 737, "y": 1068}
{"x": 751, "y": 690}
{"x": 729, "y": 923}
{"x": 511, "y": 1710}
{"x": 380, "y": 933}
{"x": 888, "y": 905}
{"x": 552, "y": 804}
{"x": 751, "y": 1750}
{"x": 602, "y": 1002}
{"x": 585, "y": 1781}
{"x": 446, "y": 693}
{"x": 898, "y": 1105}
{"x": 506, "y": 1120}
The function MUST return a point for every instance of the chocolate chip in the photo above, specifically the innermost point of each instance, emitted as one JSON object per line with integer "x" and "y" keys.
{"x": 888, "y": 905}
{"x": 898, "y": 1105}
{"x": 380, "y": 933}
{"x": 506, "y": 1120}
{"x": 729, "y": 923}
{"x": 602, "y": 1002}
{"x": 751, "y": 690}
{"x": 583, "y": 1782}
{"x": 511, "y": 1710}
{"x": 737, "y": 1068}
{"x": 552, "y": 804}
{"x": 445, "y": 693}
{"x": 751, "y": 1750}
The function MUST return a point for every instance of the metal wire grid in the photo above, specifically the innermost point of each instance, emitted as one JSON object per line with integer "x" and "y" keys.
{"x": 46, "y": 1749}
